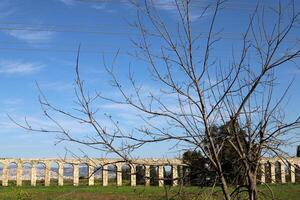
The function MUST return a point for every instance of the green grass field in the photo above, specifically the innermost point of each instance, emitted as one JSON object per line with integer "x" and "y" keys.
{"x": 284, "y": 192}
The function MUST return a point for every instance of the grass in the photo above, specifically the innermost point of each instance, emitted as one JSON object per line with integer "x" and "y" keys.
{"x": 281, "y": 192}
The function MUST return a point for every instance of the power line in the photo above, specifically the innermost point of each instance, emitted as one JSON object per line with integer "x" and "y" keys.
{"x": 88, "y": 51}
{"x": 169, "y": 3}
{"x": 58, "y": 50}
{"x": 69, "y": 28}
{"x": 225, "y": 35}
{"x": 65, "y": 31}
{"x": 194, "y": 4}
{"x": 58, "y": 25}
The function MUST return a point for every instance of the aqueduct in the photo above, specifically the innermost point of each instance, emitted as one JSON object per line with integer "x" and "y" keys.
{"x": 174, "y": 164}
{"x": 272, "y": 170}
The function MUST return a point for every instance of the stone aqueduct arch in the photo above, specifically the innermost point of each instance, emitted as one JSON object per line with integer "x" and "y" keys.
{"x": 91, "y": 163}
{"x": 283, "y": 168}
{"x": 267, "y": 170}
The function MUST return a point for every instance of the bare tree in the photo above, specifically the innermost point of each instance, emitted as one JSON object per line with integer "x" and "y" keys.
{"x": 197, "y": 90}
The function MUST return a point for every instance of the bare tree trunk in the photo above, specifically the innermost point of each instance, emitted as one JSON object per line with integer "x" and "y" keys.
{"x": 252, "y": 187}
{"x": 225, "y": 190}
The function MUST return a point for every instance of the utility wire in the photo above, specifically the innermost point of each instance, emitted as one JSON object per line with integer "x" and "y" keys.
{"x": 238, "y": 5}
{"x": 225, "y": 35}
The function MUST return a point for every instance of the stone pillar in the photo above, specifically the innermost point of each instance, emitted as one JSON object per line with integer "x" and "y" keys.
{"x": 19, "y": 173}
{"x": 292, "y": 168}
{"x": 160, "y": 175}
{"x": 174, "y": 175}
{"x": 147, "y": 175}
{"x": 60, "y": 174}
{"x": 75, "y": 174}
{"x": 91, "y": 175}
{"x": 263, "y": 173}
{"x": 119, "y": 173}
{"x": 272, "y": 169}
{"x": 282, "y": 172}
{"x": 5, "y": 174}
{"x": 47, "y": 173}
{"x": 33, "y": 174}
{"x": 133, "y": 175}
{"x": 104, "y": 175}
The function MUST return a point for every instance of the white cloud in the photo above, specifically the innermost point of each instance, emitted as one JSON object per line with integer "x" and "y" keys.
{"x": 10, "y": 67}
{"x": 68, "y": 2}
{"x": 6, "y": 9}
{"x": 99, "y": 6}
{"x": 11, "y": 102}
{"x": 31, "y": 36}
{"x": 5, "y": 13}
{"x": 10, "y": 105}
{"x": 170, "y": 6}
{"x": 57, "y": 86}
{"x": 165, "y": 4}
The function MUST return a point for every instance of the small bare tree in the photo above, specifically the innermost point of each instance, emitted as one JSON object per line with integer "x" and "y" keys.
{"x": 197, "y": 90}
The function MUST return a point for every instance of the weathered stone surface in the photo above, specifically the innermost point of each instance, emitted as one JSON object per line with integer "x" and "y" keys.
{"x": 91, "y": 175}
{"x": 175, "y": 175}
{"x": 147, "y": 175}
{"x": 105, "y": 163}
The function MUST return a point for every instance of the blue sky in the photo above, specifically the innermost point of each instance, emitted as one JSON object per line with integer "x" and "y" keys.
{"x": 39, "y": 40}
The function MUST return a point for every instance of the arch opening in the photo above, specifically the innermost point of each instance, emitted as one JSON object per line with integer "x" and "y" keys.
{"x": 112, "y": 174}
{"x": 180, "y": 170}
{"x": 83, "y": 174}
{"x": 26, "y": 173}
{"x": 98, "y": 170}
{"x": 167, "y": 175}
{"x": 68, "y": 174}
{"x": 277, "y": 166}
{"x": 54, "y": 173}
{"x": 40, "y": 173}
{"x": 140, "y": 175}
{"x": 287, "y": 171}
{"x": 126, "y": 175}
{"x": 12, "y": 174}
{"x": 267, "y": 172}
{"x": 154, "y": 175}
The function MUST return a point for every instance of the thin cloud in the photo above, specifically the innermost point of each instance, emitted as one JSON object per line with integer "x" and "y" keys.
{"x": 99, "y": 6}
{"x": 57, "y": 86}
{"x": 5, "y": 13}
{"x": 10, "y": 105}
{"x": 68, "y": 2}
{"x": 11, "y": 102}
{"x": 170, "y": 6}
{"x": 31, "y": 36}
{"x": 6, "y": 9}
{"x": 102, "y": 7}
{"x": 11, "y": 67}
